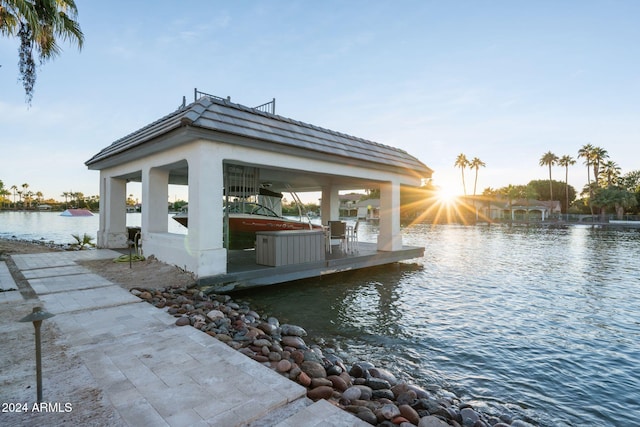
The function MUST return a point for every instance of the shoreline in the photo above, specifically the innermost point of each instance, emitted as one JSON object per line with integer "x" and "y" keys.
{"x": 373, "y": 394}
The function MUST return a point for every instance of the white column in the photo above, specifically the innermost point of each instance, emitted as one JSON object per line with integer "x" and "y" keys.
{"x": 330, "y": 208}
{"x": 389, "y": 237}
{"x": 113, "y": 213}
{"x": 155, "y": 196}
{"x": 205, "y": 236}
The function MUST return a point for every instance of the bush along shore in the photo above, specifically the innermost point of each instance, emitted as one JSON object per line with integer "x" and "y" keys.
{"x": 372, "y": 394}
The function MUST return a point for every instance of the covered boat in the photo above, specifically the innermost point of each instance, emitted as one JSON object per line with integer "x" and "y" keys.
{"x": 245, "y": 218}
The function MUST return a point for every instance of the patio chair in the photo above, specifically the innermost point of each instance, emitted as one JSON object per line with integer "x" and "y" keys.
{"x": 352, "y": 238}
{"x": 338, "y": 231}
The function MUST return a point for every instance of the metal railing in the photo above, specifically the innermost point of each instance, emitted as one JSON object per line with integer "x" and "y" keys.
{"x": 197, "y": 94}
{"x": 267, "y": 107}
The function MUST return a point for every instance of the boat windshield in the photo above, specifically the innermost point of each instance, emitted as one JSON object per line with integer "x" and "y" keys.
{"x": 251, "y": 209}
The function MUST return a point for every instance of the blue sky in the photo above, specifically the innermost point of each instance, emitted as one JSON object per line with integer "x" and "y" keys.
{"x": 505, "y": 81}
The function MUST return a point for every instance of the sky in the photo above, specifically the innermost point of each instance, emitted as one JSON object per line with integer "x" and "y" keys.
{"x": 504, "y": 81}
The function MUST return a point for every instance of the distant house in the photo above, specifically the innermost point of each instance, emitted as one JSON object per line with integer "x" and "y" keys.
{"x": 44, "y": 207}
{"x": 348, "y": 203}
{"x": 368, "y": 209}
{"x": 520, "y": 209}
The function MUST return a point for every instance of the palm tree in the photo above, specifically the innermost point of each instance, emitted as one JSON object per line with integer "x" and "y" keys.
{"x": 476, "y": 164}
{"x": 585, "y": 152}
{"x": 598, "y": 155}
{"x": 3, "y": 192}
{"x": 66, "y": 195}
{"x": 566, "y": 161}
{"x": 611, "y": 173}
{"x": 549, "y": 159}
{"x": 15, "y": 191}
{"x": 462, "y": 163}
{"x": 24, "y": 192}
{"x": 39, "y": 24}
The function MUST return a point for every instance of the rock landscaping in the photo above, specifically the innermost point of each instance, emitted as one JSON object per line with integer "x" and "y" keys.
{"x": 372, "y": 394}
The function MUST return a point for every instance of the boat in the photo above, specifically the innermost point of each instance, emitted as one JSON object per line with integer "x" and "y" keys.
{"x": 76, "y": 212}
{"x": 247, "y": 218}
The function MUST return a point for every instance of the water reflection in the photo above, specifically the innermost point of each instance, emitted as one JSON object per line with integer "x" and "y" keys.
{"x": 540, "y": 322}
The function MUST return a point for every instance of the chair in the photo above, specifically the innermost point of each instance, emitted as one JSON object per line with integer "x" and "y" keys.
{"x": 338, "y": 231}
{"x": 352, "y": 238}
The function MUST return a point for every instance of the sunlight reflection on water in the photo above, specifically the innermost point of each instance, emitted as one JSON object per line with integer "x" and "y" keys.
{"x": 540, "y": 322}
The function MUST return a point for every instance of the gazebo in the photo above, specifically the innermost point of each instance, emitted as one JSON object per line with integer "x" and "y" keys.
{"x": 212, "y": 145}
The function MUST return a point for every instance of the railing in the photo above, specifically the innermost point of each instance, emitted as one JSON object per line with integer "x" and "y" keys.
{"x": 267, "y": 107}
{"x": 199, "y": 94}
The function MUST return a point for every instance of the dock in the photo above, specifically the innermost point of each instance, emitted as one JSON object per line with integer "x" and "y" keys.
{"x": 245, "y": 273}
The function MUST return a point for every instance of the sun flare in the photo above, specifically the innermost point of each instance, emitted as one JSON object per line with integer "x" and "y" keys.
{"x": 446, "y": 195}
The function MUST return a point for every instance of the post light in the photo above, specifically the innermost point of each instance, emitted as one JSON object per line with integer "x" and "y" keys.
{"x": 37, "y": 316}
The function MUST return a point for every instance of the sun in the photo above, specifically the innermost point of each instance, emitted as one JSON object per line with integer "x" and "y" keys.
{"x": 446, "y": 195}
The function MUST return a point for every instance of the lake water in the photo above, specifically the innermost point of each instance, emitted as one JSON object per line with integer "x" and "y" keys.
{"x": 541, "y": 323}
{"x": 538, "y": 322}
{"x": 50, "y": 226}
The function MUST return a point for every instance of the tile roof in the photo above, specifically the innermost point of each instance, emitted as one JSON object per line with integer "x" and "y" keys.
{"x": 227, "y": 117}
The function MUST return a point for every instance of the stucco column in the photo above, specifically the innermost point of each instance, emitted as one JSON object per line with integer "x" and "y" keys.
{"x": 389, "y": 237}
{"x": 113, "y": 213}
{"x": 155, "y": 196}
{"x": 204, "y": 241}
{"x": 330, "y": 208}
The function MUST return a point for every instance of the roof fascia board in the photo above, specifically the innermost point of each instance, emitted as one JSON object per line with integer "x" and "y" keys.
{"x": 173, "y": 138}
{"x": 259, "y": 144}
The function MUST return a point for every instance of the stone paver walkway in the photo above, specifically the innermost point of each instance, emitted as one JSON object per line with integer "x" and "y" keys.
{"x": 153, "y": 372}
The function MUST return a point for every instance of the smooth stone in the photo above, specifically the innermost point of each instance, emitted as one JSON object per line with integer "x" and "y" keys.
{"x": 365, "y": 392}
{"x": 313, "y": 356}
{"x": 283, "y": 366}
{"x": 352, "y": 393}
{"x": 293, "y": 330}
{"x": 322, "y": 392}
{"x": 223, "y": 337}
{"x": 297, "y": 356}
{"x": 293, "y": 341}
{"x": 337, "y": 382}
{"x": 317, "y": 382}
{"x": 313, "y": 369}
{"x": 469, "y": 417}
{"x": 304, "y": 379}
{"x": 520, "y": 423}
{"x": 267, "y": 328}
{"x": 410, "y": 414}
{"x": 384, "y": 393}
{"x": 378, "y": 384}
{"x": 262, "y": 342}
{"x": 384, "y": 375}
{"x": 431, "y": 421}
{"x": 357, "y": 371}
{"x": 389, "y": 411}
{"x": 183, "y": 321}
{"x": 274, "y": 356}
{"x": 334, "y": 370}
{"x": 367, "y": 415}
{"x": 215, "y": 314}
{"x": 405, "y": 398}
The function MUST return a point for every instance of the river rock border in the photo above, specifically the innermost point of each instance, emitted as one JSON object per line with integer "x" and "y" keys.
{"x": 372, "y": 394}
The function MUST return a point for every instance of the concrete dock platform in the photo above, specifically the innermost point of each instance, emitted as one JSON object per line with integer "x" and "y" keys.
{"x": 150, "y": 371}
